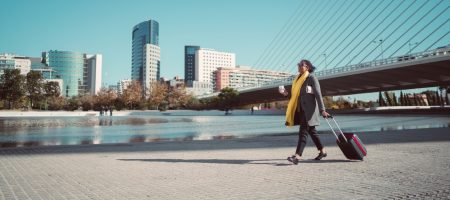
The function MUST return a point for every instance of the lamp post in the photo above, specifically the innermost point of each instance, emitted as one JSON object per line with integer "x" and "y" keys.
{"x": 411, "y": 44}
{"x": 325, "y": 59}
{"x": 381, "y": 46}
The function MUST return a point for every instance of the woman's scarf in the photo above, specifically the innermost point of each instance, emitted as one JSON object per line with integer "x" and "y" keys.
{"x": 295, "y": 93}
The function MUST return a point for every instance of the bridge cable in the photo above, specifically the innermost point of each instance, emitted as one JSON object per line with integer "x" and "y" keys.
{"x": 336, "y": 30}
{"x": 310, "y": 33}
{"x": 412, "y": 27}
{"x": 352, "y": 31}
{"x": 301, "y": 29}
{"x": 448, "y": 32}
{"x": 379, "y": 33}
{"x": 421, "y": 31}
{"x": 278, "y": 34}
{"x": 293, "y": 44}
{"x": 372, "y": 31}
{"x": 282, "y": 40}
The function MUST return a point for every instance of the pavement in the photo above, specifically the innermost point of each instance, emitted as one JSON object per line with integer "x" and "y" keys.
{"x": 407, "y": 164}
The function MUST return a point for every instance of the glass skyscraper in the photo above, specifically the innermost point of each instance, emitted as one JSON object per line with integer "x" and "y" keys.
{"x": 145, "y": 58}
{"x": 68, "y": 66}
{"x": 80, "y": 73}
{"x": 189, "y": 64}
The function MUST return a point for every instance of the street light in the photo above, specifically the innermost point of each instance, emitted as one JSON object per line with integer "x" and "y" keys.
{"x": 381, "y": 46}
{"x": 411, "y": 44}
{"x": 325, "y": 58}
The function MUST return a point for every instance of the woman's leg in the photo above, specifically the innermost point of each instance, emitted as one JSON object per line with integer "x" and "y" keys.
{"x": 315, "y": 137}
{"x": 302, "y": 137}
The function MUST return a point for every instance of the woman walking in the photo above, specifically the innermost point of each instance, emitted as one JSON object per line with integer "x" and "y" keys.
{"x": 305, "y": 104}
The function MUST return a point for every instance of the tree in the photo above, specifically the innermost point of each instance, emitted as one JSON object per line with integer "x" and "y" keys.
{"x": 395, "y": 99}
{"x": 72, "y": 104}
{"x": 35, "y": 87}
{"x": 12, "y": 86}
{"x": 402, "y": 99}
{"x": 177, "y": 97}
{"x": 438, "y": 97}
{"x": 227, "y": 98}
{"x": 132, "y": 96}
{"x": 87, "y": 102}
{"x": 56, "y": 102}
{"x": 158, "y": 95}
{"x": 105, "y": 99}
{"x": 381, "y": 100}
{"x": 328, "y": 102}
{"x": 52, "y": 89}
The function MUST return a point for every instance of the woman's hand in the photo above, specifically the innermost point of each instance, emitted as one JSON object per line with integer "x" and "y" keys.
{"x": 282, "y": 90}
{"x": 325, "y": 114}
{"x": 284, "y": 93}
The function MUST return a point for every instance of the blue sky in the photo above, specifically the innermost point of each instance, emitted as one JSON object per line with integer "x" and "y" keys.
{"x": 104, "y": 27}
{"x": 265, "y": 34}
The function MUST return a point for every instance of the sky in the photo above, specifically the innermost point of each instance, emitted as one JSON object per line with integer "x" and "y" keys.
{"x": 264, "y": 34}
{"x": 105, "y": 26}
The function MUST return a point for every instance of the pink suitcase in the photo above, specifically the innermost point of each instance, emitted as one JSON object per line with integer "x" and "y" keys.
{"x": 349, "y": 143}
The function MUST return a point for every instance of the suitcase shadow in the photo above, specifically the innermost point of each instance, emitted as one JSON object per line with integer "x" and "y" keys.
{"x": 329, "y": 161}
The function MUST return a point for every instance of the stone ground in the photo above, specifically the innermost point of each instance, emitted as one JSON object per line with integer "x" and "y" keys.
{"x": 409, "y": 164}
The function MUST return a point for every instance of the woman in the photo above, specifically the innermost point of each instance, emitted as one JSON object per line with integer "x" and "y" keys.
{"x": 305, "y": 102}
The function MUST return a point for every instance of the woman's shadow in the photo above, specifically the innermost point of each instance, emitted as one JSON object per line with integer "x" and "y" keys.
{"x": 274, "y": 162}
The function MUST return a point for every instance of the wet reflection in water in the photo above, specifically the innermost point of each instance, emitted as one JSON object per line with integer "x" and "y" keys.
{"x": 41, "y": 131}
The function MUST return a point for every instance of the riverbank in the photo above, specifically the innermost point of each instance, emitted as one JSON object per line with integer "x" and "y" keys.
{"x": 410, "y": 164}
{"x": 413, "y": 110}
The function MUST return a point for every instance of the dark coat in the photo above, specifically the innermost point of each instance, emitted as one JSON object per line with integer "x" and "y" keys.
{"x": 310, "y": 101}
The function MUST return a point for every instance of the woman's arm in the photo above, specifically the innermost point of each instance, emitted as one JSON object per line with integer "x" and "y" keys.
{"x": 318, "y": 96}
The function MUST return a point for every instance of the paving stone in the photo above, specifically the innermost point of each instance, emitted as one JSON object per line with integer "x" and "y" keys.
{"x": 397, "y": 167}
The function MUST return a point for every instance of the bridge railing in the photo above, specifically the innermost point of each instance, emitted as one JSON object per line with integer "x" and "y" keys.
{"x": 404, "y": 58}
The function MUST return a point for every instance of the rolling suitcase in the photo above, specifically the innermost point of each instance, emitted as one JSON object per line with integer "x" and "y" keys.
{"x": 349, "y": 143}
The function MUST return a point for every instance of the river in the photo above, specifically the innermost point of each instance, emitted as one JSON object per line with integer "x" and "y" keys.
{"x": 183, "y": 125}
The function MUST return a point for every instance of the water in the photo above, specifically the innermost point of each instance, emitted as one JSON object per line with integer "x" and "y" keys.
{"x": 183, "y": 125}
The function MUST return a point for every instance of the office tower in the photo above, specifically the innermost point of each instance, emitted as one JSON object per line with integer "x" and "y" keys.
{"x": 189, "y": 64}
{"x": 81, "y": 73}
{"x": 145, "y": 58}
{"x": 11, "y": 61}
{"x": 93, "y": 73}
{"x": 207, "y": 61}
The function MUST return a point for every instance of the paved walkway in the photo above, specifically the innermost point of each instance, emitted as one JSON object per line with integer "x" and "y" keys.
{"x": 412, "y": 164}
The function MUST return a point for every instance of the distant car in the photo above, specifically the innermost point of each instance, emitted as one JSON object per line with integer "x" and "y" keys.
{"x": 404, "y": 58}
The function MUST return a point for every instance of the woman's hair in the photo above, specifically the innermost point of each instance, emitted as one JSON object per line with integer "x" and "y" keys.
{"x": 311, "y": 67}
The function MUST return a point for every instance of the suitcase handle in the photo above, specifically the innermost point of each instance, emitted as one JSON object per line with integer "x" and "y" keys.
{"x": 337, "y": 125}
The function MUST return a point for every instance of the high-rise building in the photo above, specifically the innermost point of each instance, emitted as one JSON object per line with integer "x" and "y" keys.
{"x": 189, "y": 64}
{"x": 244, "y": 76}
{"x": 93, "y": 73}
{"x": 207, "y": 61}
{"x": 11, "y": 61}
{"x": 145, "y": 58}
{"x": 81, "y": 73}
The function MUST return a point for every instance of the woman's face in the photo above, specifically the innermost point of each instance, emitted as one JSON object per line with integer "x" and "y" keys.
{"x": 302, "y": 67}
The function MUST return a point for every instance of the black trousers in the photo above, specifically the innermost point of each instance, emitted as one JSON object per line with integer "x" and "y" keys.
{"x": 303, "y": 135}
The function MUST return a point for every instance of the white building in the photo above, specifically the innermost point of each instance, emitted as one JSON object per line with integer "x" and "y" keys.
{"x": 122, "y": 85}
{"x": 208, "y": 60}
{"x": 151, "y": 67}
{"x": 94, "y": 73}
{"x": 11, "y": 61}
{"x": 244, "y": 76}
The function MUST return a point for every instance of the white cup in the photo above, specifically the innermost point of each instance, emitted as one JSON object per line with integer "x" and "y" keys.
{"x": 281, "y": 89}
